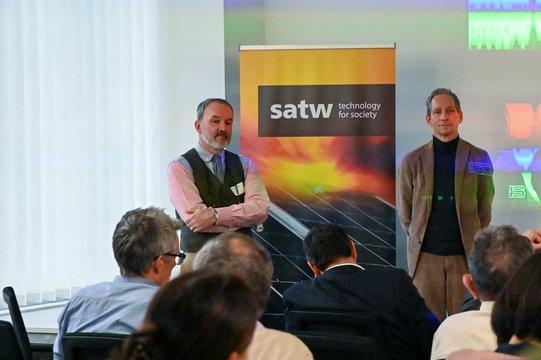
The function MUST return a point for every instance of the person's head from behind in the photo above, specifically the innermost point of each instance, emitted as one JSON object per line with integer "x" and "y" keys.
{"x": 325, "y": 245}
{"x": 496, "y": 255}
{"x": 239, "y": 254}
{"x": 201, "y": 315}
{"x": 517, "y": 310}
{"x": 145, "y": 244}
{"x": 214, "y": 123}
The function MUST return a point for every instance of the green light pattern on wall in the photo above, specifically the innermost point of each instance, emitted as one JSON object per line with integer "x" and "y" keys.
{"x": 504, "y": 30}
{"x": 532, "y": 194}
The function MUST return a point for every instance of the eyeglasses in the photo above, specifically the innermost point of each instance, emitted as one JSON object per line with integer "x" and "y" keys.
{"x": 179, "y": 257}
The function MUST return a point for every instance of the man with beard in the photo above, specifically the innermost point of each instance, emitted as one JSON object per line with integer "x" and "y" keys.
{"x": 214, "y": 190}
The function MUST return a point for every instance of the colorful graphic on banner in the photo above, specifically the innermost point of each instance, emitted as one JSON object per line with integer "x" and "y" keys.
{"x": 349, "y": 147}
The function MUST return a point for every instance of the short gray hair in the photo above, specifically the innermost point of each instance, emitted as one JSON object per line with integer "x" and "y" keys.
{"x": 140, "y": 236}
{"x": 241, "y": 255}
{"x": 203, "y": 105}
{"x": 441, "y": 91}
{"x": 496, "y": 255}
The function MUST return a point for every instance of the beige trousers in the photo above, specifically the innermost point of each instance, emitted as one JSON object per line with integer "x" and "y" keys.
{"x": 439, "y": 281}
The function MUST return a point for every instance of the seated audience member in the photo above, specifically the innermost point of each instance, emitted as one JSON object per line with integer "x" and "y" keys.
{"x": 516, "y": 317}
{"x": 146, "y": 249}
{"x": 470, "y": 303}
{"x": 243, "y": 256}
{"x": 496, "y": 255}
{"x": 387, "y": 294}
{"x": 199, "y": 316}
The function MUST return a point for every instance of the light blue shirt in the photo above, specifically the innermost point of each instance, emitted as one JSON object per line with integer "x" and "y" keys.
{"x": 109, "y": 307}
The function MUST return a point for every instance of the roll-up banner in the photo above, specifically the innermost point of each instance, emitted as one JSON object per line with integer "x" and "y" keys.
{"x": 319, "y": 121}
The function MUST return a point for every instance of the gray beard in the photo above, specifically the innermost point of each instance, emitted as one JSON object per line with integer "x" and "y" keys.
{"x": 215, "y": 144}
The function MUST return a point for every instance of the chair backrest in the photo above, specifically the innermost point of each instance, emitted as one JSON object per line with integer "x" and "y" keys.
{"x": 334, "y": 321}
{"x": 90, "y": 346}
{"x": 332, "y": 346}
{"x": 9, "y": 346}
{"x": 17, "y": 321}
{"x": 338, "y": 322}
{"x": 273, "y": 321}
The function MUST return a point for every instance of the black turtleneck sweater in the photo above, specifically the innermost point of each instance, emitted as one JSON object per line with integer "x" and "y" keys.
{"x": 442, "y": 235}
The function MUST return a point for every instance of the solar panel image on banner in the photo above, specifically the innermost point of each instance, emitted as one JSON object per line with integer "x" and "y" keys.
{"x": 368, "y": 221}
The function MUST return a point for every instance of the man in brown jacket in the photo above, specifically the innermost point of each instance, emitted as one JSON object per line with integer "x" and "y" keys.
{"x": 445, "y": 193}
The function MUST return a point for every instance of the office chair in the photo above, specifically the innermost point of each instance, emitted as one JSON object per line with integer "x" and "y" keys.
{"x": 17, "y": 322}
{"x": 90, "y": 346}
{"x": 332, "y": 346}
{"x": 337, "y": 322}
{"x": 9, "y": 346}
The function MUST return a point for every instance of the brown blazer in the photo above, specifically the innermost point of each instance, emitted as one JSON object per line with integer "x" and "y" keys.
{"x": 474, "y": 192}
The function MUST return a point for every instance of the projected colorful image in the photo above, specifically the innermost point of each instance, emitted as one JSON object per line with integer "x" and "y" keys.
{"x": 504, "y": 24}
{"x": 519, "y": 168}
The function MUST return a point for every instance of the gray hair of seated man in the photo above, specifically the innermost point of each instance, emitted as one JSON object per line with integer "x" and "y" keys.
{"x": 243, "y": 256}
{"x": 140, "y": 236}
{"x": 497, "y": 253}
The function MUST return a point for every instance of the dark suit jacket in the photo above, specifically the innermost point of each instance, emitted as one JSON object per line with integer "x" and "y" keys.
{"x": 385, "y": 293}
{"x": 474, "y": 192}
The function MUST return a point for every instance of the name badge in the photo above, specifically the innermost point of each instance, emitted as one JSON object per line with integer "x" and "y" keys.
{"x": 238, "y": 189}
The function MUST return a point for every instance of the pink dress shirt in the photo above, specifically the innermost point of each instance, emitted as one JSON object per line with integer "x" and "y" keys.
{"x": 185, "y": 196}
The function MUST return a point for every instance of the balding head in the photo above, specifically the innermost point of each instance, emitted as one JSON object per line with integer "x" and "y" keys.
{"x": 243, "y": 256}
{"x": 496, "y": 255}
